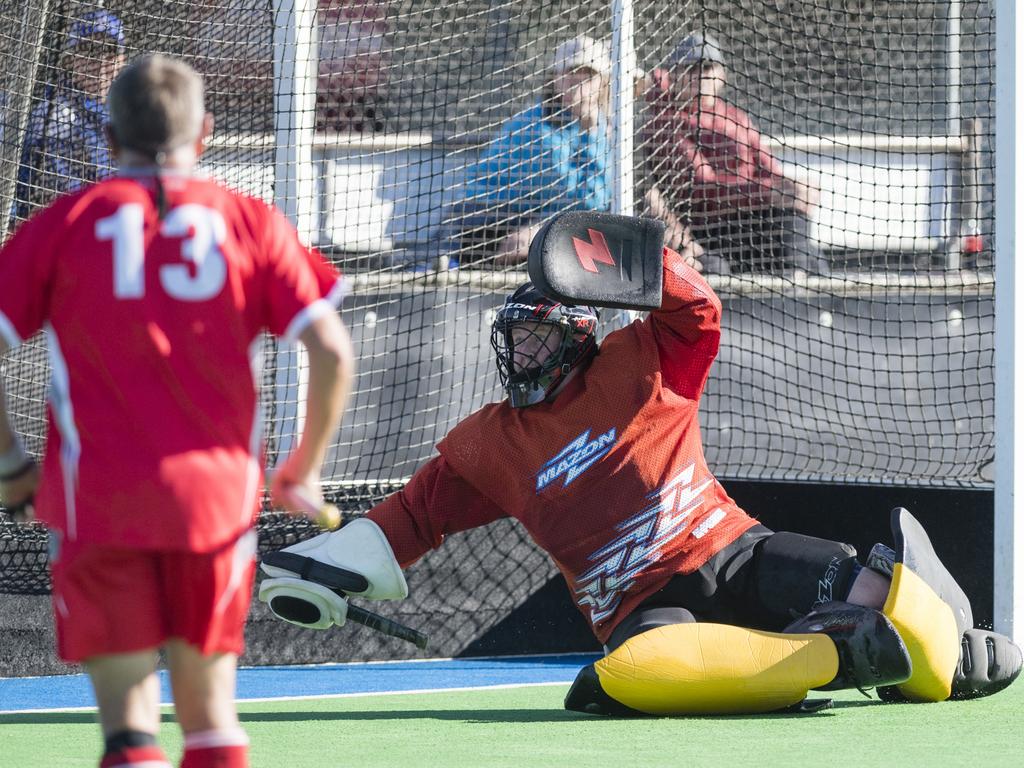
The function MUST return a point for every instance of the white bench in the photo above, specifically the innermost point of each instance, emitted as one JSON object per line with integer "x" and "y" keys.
{"x": 879, "y": 193}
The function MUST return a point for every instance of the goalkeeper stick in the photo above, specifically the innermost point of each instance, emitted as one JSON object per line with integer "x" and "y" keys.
{"x": 386, "y": 626}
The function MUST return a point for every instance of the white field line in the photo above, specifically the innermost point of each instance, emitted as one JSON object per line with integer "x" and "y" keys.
{"x": 317, "y": 696}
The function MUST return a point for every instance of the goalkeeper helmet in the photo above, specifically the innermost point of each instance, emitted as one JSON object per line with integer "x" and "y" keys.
{"x": 538, "y": 342}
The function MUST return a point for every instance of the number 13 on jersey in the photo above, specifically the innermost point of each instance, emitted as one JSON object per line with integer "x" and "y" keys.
{"x": 202, "y": 249}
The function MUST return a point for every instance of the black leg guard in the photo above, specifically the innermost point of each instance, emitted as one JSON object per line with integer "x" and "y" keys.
{"x": 988, "y": 663}
{"x": 871, "y": 652}
{"x": 794, "y": 573}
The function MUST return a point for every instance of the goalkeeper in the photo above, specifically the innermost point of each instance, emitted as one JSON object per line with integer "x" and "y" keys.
{"x": 597, "y": 452}
{"x": 154, "y": 288}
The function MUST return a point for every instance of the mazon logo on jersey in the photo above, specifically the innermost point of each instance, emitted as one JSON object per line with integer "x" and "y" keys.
{"x": 573, "y": 460}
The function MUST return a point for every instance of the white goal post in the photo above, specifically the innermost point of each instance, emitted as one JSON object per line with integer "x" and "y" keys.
{"x": 1008, "y": 581}
{"x": 295, "y": 81}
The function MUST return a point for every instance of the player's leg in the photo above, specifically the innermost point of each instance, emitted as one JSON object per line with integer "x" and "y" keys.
{"x": 204, "y": 702}
{"x": 672, "y": 664}
{"x": 208, "y": 596}
{"x": 107, "y": 616}
{"x": 128, "y": 697}
{"x": 661, "y": 660}
{"x": 792, "y": 574}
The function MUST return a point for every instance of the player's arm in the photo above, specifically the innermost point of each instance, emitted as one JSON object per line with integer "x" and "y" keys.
{"x": 687, "y": 327}
{"x": 685, "y": 313}
{"x": 27, "y": 262}
{"x": 331, "y": 365}
{"x": 19, "y": 476}
{"x": 435, "y": 503}
{"x": 300, "y": 303}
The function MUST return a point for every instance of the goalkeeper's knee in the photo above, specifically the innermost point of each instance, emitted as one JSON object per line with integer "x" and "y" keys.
{"x": 355, "y": 560}
{"x": 304, "y": 603}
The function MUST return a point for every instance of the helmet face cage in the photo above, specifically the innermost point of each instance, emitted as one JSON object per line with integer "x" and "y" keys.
{"x": 559, "y": 336}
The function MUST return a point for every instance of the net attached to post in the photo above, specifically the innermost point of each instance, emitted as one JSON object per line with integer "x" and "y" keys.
{"x": 839, "y": 186}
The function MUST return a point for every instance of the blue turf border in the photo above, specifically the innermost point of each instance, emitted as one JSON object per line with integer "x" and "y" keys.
{"x": 73, "y": 691}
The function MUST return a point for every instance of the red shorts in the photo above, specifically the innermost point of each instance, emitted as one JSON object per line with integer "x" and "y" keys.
{"x": 112, "y": 600}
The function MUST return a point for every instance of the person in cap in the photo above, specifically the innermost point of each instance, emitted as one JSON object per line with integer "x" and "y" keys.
{"x": 715, "y": 170}
{"x": 550, "y": 157}
{"x": 154, "y": 287}
{"x": 64, "y": 146}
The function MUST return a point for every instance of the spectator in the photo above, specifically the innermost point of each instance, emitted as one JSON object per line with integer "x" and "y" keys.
{"x": 713, "y": 168}
{"x": 64, "y": 147}
{"x": 551, "y": 157}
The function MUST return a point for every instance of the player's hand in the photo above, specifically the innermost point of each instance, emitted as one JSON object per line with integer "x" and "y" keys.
{"x": 302, "y": 498}
{"x": 17, "y": 493}
{"x": 691, "y": 250}
{"x": 675, "y": 234}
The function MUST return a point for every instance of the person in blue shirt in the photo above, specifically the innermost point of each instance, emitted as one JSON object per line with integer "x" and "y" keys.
{"x": 64, "y": 146}
{"x": 551, "y": 157}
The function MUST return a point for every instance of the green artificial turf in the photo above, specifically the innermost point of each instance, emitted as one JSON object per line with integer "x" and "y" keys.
{"x": 527, "y": 728}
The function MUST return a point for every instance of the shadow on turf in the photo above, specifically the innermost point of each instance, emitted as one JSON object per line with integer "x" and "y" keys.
{"x": 484, "y": 716}
{"x": 465, "y": 715}
{"x": 61, "y": 718}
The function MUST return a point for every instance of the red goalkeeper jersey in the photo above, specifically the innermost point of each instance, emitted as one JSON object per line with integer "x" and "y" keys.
{"x": 609, "y": 478}
{"x": 153, "y": 326}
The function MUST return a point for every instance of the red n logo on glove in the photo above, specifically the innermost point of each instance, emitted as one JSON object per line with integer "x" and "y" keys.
{"x": 594, "y": 251}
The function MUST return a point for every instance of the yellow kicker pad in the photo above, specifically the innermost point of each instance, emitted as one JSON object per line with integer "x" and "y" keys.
{"x": 716, "y": 669}
{"x": 928, "y": 627}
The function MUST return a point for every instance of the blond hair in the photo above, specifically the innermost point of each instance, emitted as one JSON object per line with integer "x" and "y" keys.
{"x": 156, "y": 105}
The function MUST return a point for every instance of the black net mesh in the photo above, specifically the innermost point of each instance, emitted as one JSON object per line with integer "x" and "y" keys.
{"x": 857, "y": 343}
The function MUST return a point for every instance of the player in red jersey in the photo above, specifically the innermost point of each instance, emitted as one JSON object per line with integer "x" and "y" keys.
{"x": 597, "y": 452}
{"x": 154, "y": 288}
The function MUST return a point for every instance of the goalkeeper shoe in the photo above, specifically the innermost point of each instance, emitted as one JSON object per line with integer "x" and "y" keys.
{"x": 989, "y": 662}
{"x": 871, "y": 651}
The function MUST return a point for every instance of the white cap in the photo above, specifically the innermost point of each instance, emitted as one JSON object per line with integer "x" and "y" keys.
{"x": 579, "y": 52}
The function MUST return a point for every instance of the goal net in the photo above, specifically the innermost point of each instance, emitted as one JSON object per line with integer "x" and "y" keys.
{"x": 839, "y": 187}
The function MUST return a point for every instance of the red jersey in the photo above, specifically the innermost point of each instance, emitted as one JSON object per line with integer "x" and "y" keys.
{"x": 153, "y": 327}
{"x": 708, "y": 159}
{"x": 609, "y": 478}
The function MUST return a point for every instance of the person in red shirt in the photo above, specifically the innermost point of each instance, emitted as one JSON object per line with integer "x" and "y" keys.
{"x": 154, "y": 288}
{"x": 597, "y": 452}
{"x": 715, "y": 171}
